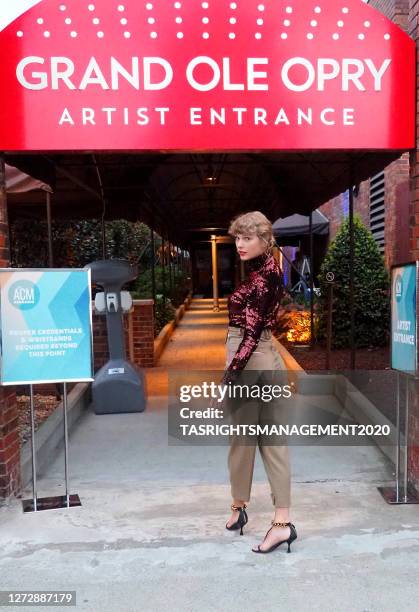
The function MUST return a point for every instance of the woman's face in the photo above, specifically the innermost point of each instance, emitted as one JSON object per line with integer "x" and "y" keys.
{"x": 249, "y": 246}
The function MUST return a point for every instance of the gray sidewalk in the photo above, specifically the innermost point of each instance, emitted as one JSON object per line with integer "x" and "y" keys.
{"x": 150, "y": 532}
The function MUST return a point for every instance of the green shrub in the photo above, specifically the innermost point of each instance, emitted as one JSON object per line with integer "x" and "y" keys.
{"x": 371, "y": 289}
{"x": 76, "y": 243}
{"x": 142, "y": 287}
{"x": 163, "y": 313}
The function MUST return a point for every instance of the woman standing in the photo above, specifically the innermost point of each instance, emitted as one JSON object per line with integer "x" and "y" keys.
{"x": 252, "y": 312}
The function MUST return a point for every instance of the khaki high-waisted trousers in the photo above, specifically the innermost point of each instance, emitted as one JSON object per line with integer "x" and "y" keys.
{"x": 241, "y": 455}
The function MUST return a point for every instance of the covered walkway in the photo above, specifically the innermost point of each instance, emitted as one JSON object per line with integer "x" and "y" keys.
{"x": 150, "y": 532}
{"x": 198, "y": 343}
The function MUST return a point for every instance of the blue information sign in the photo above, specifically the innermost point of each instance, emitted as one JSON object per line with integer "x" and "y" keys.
{"x": 46, "y": 326}
{"x": 404, "y": 281}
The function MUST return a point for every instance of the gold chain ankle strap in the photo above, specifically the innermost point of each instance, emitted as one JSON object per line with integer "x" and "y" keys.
{"x": 233, "y": 507}
{"x": 280, "y": 524}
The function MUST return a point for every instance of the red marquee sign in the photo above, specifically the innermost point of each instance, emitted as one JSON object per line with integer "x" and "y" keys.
{"x": 204, "y": 75}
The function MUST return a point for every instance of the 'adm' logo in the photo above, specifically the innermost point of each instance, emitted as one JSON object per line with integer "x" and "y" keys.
{"x": 24, "y": 295}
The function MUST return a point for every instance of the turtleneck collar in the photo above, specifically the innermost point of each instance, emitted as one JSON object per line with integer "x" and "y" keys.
{"x": 257, "y": 262}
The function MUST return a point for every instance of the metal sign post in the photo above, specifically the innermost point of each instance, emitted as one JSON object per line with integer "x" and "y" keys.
{"x": 330, "y": 279}
{"x": 404, "y": 359}
{"x": 398, "y": 441}
{"x": 34, "y": 492}
{"x": 404, "y": 494}
{"x": 57, "y": 501}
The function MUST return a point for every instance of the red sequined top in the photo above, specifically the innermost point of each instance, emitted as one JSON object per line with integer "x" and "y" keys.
{"x": 253, "y": 306}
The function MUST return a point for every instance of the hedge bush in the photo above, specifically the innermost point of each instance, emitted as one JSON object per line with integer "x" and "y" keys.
{"x": 371, "y": 289}
{"x": 142, "y": 288}
{"x": 163, "y": 313}
{"x": 76, "y": 243}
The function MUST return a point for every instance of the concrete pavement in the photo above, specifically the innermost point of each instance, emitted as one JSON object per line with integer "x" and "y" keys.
{"x": 150, "y": 532}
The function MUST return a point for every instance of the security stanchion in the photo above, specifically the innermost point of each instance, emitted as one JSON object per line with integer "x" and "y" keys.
{"x": 406, "y": 495}
{"x": 58, "y": 501}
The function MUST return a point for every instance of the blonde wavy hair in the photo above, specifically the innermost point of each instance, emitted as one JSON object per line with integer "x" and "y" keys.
{"x": 253, "y": 222}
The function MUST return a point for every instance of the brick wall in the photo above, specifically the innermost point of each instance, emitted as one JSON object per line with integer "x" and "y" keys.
{"x": 397, "y": 201}
{"x": 143, "y": 333}
{"x": 397, "y": 210}
{"x": 396, "y": 10}
{"x": 413, "y": 442}
{"x": 10, "y": 483}
{"x": 334, "y": 209}
{"x": 142, "y": 336}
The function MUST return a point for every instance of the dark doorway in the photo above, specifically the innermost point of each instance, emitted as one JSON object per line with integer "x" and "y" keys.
{"x": 202, "y": 270}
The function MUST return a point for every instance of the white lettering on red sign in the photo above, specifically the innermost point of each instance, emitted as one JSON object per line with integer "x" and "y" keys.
{"x": 156, "y": 73}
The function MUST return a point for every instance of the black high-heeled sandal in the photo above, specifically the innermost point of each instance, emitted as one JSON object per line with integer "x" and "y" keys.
{"x": 241, "y": 521}
{"x": 292, "y": 537}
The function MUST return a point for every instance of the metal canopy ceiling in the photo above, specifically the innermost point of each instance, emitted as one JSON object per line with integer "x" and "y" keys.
{"x": 189, "y": 196}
